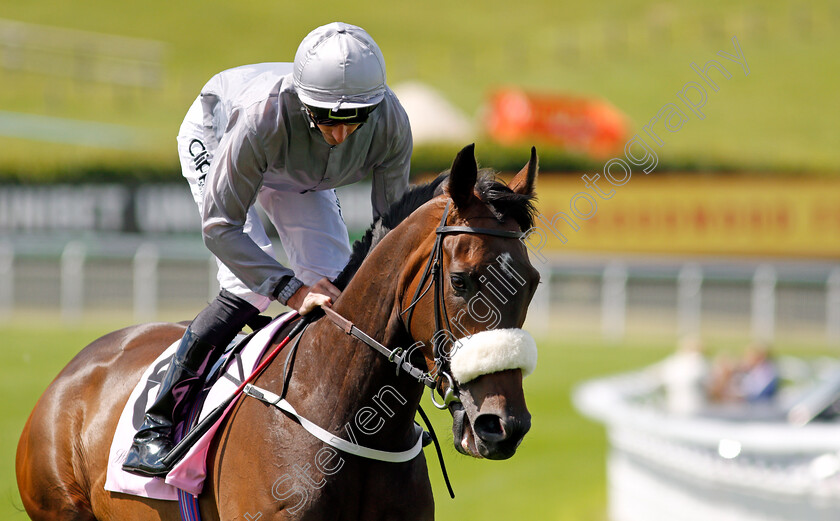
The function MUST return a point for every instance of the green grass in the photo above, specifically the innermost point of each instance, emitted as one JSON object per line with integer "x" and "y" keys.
{"x": 634, "y": 53}
{"x": 558, "y": 472}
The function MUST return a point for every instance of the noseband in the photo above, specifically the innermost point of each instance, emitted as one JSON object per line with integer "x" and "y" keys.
{"x": 433, "y": 273}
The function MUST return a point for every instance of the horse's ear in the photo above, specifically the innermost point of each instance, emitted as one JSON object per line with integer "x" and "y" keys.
{"x": 523, "y": 182}
{"x": 462, "y": 177}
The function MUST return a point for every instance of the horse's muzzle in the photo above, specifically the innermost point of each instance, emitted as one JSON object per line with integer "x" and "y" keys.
{"x": 498, "y": 437}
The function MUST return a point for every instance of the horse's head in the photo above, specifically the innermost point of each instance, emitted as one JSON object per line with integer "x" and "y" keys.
{"x": 466, "y": 294}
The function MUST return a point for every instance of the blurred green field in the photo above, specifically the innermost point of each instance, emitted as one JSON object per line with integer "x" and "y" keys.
{"x": 558, "y": 472}
{"x": 635, "y": 53}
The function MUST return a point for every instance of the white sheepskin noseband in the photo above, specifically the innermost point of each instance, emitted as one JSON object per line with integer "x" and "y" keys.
{"x": 493, "y": 351}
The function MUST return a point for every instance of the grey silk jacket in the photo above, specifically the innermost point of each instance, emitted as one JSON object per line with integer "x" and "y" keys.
{"x": 260, "y": 137}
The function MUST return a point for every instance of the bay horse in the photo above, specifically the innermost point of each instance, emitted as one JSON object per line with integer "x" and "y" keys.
{"x": 264, "y": 465}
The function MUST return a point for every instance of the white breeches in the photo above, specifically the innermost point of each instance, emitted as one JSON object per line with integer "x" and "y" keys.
{"x": 310, "y": 226}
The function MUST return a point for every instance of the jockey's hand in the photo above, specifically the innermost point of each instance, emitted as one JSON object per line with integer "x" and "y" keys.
{"x": 307, "y": 298}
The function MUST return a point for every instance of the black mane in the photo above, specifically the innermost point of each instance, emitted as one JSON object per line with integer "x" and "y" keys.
{"x": 501, "y": 200}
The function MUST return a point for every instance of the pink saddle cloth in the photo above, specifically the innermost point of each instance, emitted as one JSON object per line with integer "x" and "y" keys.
{"x": 189, "y": 473}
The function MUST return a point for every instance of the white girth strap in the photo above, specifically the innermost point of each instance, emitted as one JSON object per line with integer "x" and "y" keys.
{"x": 333, "y": 440}
{"x": 493, "y": 351}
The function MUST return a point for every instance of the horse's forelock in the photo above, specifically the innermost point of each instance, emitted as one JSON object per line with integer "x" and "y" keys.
{"x": 504, "y": 202}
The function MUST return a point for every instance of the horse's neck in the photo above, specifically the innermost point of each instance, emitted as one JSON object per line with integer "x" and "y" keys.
{"x": 352, "y": 386}
{"x": 370, "y": 299}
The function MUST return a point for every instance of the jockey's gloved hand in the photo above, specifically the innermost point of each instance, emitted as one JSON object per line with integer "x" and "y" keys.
{"x": 307, "y": 298}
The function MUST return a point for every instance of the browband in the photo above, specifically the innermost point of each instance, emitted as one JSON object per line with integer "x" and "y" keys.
{"x": 480, "y": 231}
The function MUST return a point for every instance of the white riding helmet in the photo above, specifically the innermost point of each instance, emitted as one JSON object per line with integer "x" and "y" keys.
{"x": 339, "y": 66}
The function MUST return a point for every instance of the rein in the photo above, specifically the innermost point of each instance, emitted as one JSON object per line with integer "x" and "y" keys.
{"x": 397, "y": 355}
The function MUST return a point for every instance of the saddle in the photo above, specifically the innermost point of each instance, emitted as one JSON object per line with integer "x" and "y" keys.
{"x": 241, "y": 356}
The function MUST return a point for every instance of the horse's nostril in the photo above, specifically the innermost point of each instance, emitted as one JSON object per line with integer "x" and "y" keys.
{"x": 490, "y": 427}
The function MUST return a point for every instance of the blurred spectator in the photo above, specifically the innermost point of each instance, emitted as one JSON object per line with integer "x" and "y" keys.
{"x": 755, "y": 378}
{"x": 724, "y": 368}
{"x": 758, "y": 378}
{"x": 684, "y": 376}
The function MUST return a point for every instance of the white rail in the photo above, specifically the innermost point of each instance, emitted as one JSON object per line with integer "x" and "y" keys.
{"x": 81, "y": 55}
{"x": 664, "y": 466}
{"x": 72, "y": 280}
{"x": 614, "y": 301}
{"x": 832, "y": 306}
{"x": 677, "y": 297}
{"x": 146, "y": 282}
{"x": 7, "y": 279}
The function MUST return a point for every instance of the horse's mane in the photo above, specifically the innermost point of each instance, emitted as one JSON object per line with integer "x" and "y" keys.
{"x": 502, "y": 201}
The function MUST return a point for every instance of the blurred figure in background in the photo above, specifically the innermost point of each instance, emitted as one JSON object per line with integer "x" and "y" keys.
{"x": 758, "y": 377}
{"x": 685, "y": 377}
{"x": 753, "y": 379}
{"x": 724, "y": 367}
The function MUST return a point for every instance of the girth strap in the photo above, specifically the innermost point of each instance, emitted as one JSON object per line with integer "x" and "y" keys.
{"x": 333, "y": 440}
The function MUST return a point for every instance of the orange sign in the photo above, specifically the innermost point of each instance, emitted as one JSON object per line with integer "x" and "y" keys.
{"x": 584, "y": 125}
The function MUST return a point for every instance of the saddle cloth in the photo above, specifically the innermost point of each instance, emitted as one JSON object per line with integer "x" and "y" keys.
{"x": 189, "y": 473}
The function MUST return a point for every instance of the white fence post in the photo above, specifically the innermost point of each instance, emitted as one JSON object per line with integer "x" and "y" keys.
{"x": 832, "y": 307}
{"x": 146, "y": 282}
{"x": 614, "y": 301}
{"x": 539, "y": 312}
{"x": 7, "y": 279}
{"x": 689, "y": 301}
{"x": 72, "y": 280}
{"x": 764, "y": 303}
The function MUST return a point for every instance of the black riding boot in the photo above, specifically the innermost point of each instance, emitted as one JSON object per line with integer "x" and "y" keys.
{"x": 178, "y": 389}
{"x": 201, "y": 346}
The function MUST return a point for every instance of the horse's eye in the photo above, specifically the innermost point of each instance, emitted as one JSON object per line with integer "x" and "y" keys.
{"x": 459, "y": 283}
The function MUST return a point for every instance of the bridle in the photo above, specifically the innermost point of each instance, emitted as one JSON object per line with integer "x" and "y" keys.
{"x": 433, "y": 274}
{"x": 432, "y": 277}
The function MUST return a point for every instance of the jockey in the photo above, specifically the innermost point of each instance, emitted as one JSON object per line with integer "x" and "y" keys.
{"x": 285, "y": 135}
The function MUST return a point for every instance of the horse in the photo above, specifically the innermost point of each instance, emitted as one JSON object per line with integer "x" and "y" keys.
{"x": 442, "y": 265}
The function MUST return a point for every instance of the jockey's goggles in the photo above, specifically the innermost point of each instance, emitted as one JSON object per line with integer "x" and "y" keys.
{"x": 329, "y": 117}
